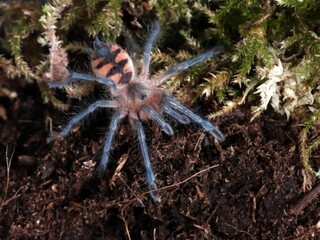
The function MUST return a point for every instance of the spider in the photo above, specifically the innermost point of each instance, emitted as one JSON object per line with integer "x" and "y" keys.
{"x": 137, "y": 96}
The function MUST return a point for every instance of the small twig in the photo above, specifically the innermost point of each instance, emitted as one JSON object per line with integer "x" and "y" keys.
{"x": 200, "y": 139}
{"x": 254, "y": 208}
{"x": 124, "y": 219}
{"x": 5, "y": 201}
{"x": 186, "y": 180}
{"x": 239, "y": 230}
{"x": 134, "y": 194}
{"x": 8, "y": 162}
{"x": 49, "y": 124}
{"x": 122, "y": 162}
{"x": 154, "y": 233}
{"x": 297, "y": 209}
{"x": 305, "y": 180}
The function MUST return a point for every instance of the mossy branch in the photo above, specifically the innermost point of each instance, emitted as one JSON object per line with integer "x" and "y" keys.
{"x": 306, "y": 150}
{"x": 22, "y": 30}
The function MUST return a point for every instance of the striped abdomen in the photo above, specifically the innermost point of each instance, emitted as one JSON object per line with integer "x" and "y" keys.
{"x": 113, "y": 62}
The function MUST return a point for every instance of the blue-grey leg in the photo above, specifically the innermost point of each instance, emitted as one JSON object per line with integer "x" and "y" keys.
{"x": 114, "y": 125}
{"x": 74, "y": 76}
{"x": 100, "y": 48}
{"x": 157, "y": 117}
{"x": 147, "y": 51}
{"x": 188, "y": 64}
{"x": 146, "y": 160}
{"x": 180, "y": 118}
{"x": 213, "y": 130}
{"x": 131, "y": 46}
{"x": 81, "y": 115}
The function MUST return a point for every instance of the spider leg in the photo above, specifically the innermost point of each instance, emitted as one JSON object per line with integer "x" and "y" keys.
{"x": 100, "y": 48}
{"x": 157, "y": 117}
{"x": 147, "y": 50}
{"x": 81, "y": 115}
{"x": 131, "y": 45}
{"x": 213, "y": 130}
{"x": 180, "y": 118}
{"x": 74, "y": 76}
{"x": 146, "y": 160}
{"x": 114, "y": 125}
{"x": 187, "y": 64}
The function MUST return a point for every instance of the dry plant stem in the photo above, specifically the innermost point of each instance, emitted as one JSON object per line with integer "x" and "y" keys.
{"x": 5, "y": 201}
{"x": 156, "y": 190}
{"x": 239, "y": 230}
{"x": 297, "y": 209}
{"x": 305, "y": 157}
{"x": 8, "y": 162}
{"x": 133, "y": 193}
{"x": 186, "y": 180}
{"x": 122, "y": 161}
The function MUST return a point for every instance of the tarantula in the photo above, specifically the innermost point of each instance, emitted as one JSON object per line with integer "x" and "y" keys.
{"x": 137, "y": 96}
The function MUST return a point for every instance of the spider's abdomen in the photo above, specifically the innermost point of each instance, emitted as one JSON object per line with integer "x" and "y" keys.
{"x": 111, "y": 61}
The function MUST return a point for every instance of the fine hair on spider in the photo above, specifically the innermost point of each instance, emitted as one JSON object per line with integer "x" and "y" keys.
{"x": 136, "y": 95}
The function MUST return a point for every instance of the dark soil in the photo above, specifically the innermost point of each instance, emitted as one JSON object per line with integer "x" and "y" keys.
{"x": 251, "y": 186}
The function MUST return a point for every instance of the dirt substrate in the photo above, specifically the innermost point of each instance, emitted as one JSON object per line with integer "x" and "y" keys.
{"x": 249, "y": 187}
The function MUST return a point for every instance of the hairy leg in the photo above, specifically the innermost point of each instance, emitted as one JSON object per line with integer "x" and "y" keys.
{"x": 146, "y": 160}
{"x": 180, "y": 118}
{"x": 213, "y": 130}
{"x": 100, "y": 48}
{"x": 74, "y": 76}
{"x": 187, "y": 64}
{"x": 83, "y": 114}
{"x": 147, "y": 52}
{"x": 130, "y": 45}
{"x": 114, "y": 125}
{"x": 157, "y": 117}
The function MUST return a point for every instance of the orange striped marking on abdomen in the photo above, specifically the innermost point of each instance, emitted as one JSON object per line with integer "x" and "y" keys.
{"x": 115, "y": 65}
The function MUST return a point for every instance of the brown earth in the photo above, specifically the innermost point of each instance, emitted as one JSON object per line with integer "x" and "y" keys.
{"x": 249, "y": 187}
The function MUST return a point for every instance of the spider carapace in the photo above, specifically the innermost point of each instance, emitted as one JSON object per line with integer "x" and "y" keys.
{"x": 136, "y": 95}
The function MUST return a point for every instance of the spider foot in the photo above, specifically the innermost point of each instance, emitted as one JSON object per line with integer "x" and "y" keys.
{"x": 155, "y": 197}
{"x": 100, "y": 171}
{"x": 52, "y": 138}
{"x": 215, "y": 132}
